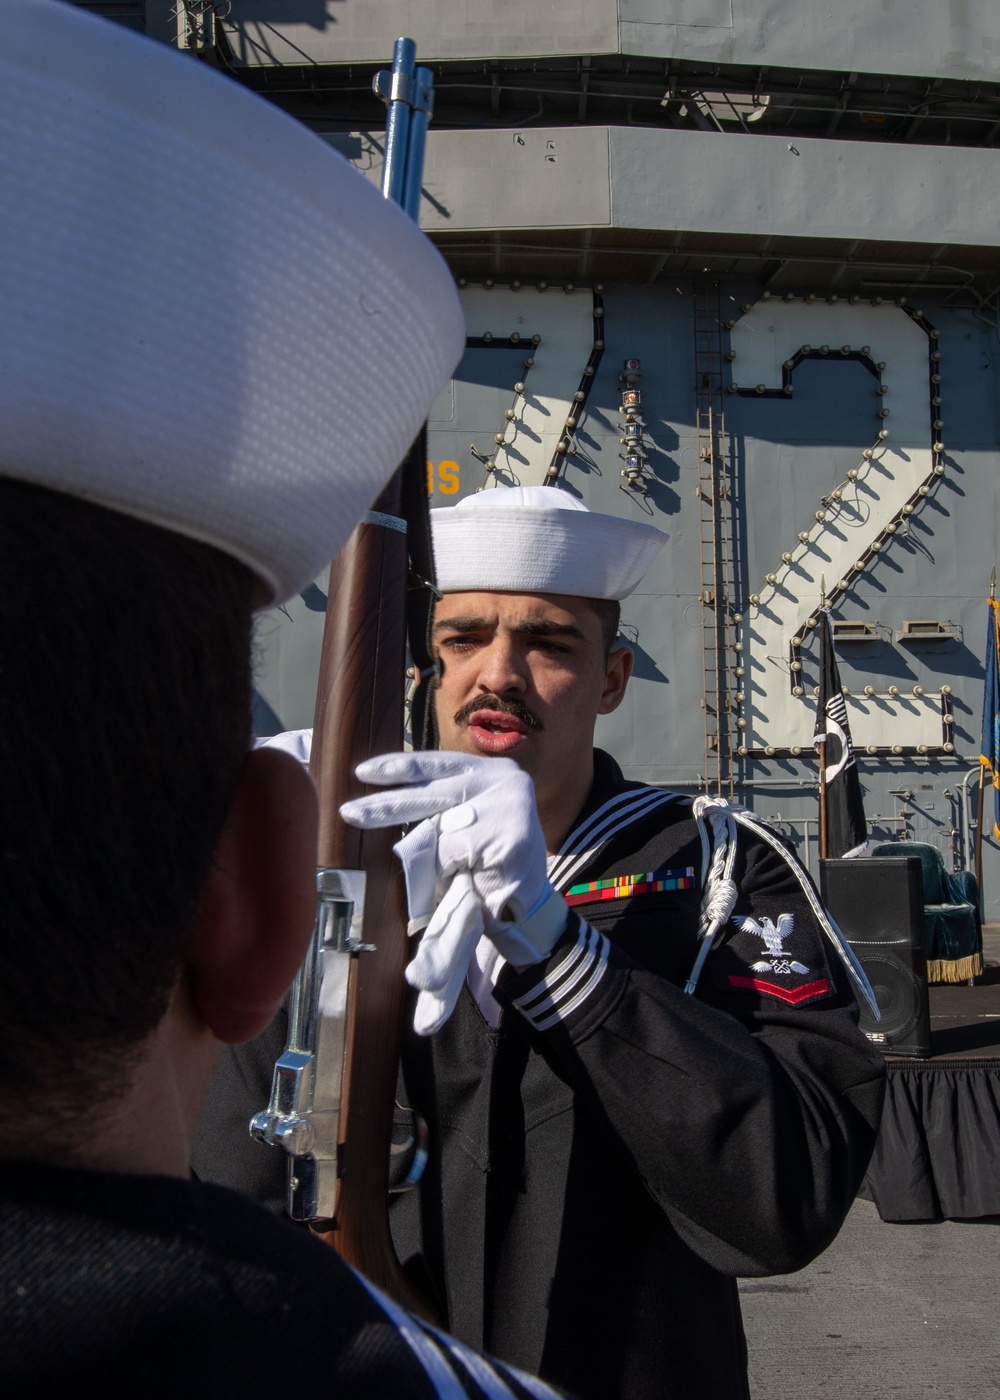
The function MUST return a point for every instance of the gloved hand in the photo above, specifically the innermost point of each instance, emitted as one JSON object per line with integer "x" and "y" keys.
{"x": 474, "y": 865}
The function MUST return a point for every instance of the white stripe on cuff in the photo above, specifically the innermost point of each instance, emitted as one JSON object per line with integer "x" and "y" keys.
{"x": 568, "y": 985}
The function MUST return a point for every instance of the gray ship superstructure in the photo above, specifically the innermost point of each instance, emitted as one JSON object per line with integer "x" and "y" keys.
{"x": 729, "y": 266}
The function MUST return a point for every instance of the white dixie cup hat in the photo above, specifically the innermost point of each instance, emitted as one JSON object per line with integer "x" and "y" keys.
{"x": 194, "y": 290}
{"x": 539, "y": 539}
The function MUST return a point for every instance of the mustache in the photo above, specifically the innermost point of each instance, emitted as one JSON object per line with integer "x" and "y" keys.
{"x": 516, "y": 708}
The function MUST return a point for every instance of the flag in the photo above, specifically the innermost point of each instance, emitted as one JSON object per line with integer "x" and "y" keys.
{"x": 989, "y": 753}
{"x": 846, "y": 828}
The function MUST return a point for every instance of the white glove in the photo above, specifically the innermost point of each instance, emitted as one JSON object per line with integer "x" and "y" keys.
{"x": 474, "y": 865}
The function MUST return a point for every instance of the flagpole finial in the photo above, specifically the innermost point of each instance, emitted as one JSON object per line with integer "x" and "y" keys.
{"x": 822, "y": 590}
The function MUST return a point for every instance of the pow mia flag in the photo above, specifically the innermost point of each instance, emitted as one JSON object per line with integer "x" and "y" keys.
{"x": 846, "y": 828}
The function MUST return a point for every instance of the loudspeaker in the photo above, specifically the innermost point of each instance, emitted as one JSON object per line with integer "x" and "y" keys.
{"x": 879, "y": 905}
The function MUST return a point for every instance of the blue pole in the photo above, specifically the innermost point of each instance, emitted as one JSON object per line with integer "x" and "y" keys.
{"x": 423, "y": 101}
{"x": 397, "y": 127}
{"x": 409, "y": 95}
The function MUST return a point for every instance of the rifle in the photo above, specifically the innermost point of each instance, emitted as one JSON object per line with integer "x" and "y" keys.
{"x": 334, "y": 1087}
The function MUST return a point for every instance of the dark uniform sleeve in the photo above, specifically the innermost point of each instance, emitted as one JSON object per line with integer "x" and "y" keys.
{"x": 748, "y": 1110}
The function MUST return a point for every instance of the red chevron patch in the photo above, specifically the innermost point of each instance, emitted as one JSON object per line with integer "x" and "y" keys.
{"x": 806, "y": 992}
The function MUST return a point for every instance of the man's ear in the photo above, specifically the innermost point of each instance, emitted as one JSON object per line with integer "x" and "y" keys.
{"x": 619, "y": 670}
{"x": 259, "y": 902}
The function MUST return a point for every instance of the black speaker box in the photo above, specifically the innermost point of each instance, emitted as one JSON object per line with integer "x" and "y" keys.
{"x": 879, "y": 906}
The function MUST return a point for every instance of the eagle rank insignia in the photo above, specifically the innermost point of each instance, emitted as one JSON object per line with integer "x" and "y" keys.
{"x": 776, "y": 963}
{"x": 774, "y": 938}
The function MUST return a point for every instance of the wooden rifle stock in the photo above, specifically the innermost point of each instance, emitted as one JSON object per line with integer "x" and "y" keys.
{"x": 359, "y": 713}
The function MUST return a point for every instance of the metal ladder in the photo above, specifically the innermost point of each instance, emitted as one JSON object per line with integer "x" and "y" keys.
{"x": 717, "y": 561}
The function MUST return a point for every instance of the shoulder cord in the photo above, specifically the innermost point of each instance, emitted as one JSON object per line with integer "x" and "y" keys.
{"x": 718, "y": 889}
{"x": 719, "y": 892}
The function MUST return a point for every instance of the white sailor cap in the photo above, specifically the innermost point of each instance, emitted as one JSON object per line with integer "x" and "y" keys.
{"x": 539, "y": 539}
{"x": 209, "y": 319}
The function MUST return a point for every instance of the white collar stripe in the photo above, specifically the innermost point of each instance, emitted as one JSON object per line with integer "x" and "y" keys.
{"x": 484, "y": 1376}
{"x": 583, "y": 832}
{"x": 437, "y": 1368}
{"x": 570, "y": 861}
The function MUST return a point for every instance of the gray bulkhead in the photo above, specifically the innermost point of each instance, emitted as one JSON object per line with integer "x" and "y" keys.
{"x": 810, "y": 231}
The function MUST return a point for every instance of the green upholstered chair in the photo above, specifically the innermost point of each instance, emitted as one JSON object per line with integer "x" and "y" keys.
{"x": 951, "y": 913}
